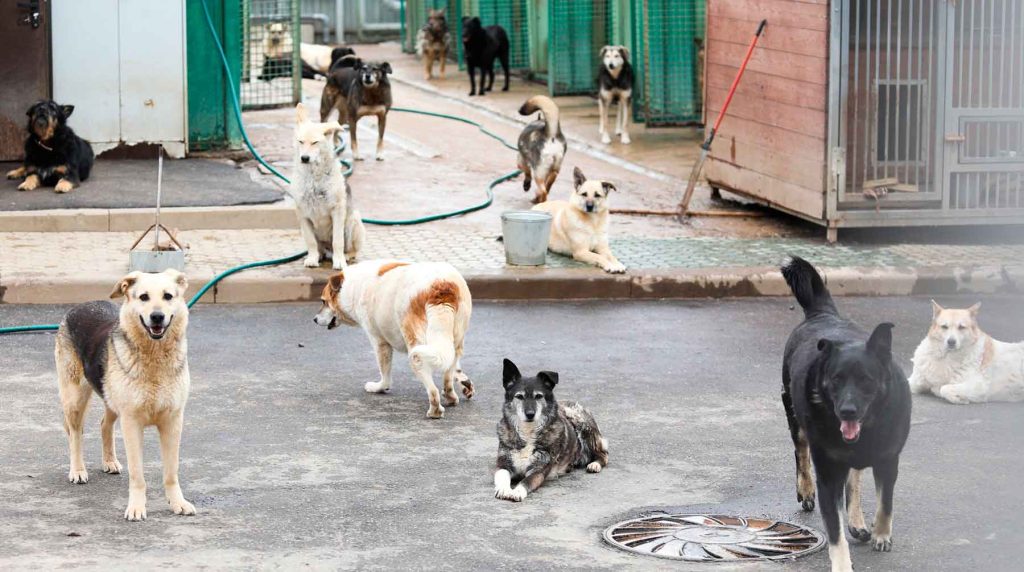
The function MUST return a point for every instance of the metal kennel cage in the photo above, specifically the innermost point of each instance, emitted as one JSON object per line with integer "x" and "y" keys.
{"x": 271, "y": 66}
{"x": 930, "y": 111}
{"x": 581, "y": 28}
{"x": 515, "y": 16}
{"x": 414, "y": 16}
{"x": 665, "y": 60}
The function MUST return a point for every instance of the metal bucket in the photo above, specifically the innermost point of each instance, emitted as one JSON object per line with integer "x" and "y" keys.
{"x": 526, "y": 235}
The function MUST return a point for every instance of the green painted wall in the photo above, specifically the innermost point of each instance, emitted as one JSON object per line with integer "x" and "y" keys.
{"x": 211, "y": 117}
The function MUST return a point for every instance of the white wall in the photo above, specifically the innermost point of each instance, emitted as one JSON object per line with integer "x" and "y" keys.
{"x": 121, "y": 63}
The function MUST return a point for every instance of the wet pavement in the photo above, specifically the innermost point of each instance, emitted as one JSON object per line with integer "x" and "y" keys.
{"x": 291, "y": 464}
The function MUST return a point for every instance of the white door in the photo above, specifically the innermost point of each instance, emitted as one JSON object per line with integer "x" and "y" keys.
{"x": 121, "y": 63}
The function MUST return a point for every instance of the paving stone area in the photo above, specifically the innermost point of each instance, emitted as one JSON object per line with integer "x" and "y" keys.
{"x": 33, "y": 254}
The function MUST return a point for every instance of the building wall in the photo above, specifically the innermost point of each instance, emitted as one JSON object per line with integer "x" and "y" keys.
{"x": 772, "y": 143}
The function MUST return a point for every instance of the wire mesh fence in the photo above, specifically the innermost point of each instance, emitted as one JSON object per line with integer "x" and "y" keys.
{"x": 514, "y": 17}
{"x": 580, "y": 29}
{"x": 271, "y": 64}
{"x": 666, "y": 54}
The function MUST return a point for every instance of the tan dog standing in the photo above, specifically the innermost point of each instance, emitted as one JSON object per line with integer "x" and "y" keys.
{"x": 433, "y": 42}
{"x": 421, "y": 308}
{"x": 579, "y": 226}
{"x": 136, "y": 359}
{"x": 962, "y": 364}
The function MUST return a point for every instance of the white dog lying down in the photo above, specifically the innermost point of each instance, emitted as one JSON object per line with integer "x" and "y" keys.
{"x": 962, "y": 364}
{"x": 419, "y": 308}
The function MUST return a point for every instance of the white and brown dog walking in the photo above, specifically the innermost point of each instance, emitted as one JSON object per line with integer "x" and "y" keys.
{"x": 421, "y": 308}
{"x": 136, "y": 359}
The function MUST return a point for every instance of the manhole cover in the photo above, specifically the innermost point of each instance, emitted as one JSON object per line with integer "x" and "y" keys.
{"x": 705, "y": 537}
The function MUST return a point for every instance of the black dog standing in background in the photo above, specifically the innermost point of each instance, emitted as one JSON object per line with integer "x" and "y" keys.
{"x": 482, "y": 45}
{"x": 54, "y": 155}
{"x": 848, "y": 407}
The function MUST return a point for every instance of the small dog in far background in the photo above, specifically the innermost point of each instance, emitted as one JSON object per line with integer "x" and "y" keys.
{"x": 433, "y": 42}
{"x": 615, "y": 83}
{"x": 541, "y": 146}
{"x": 54, "y": 155}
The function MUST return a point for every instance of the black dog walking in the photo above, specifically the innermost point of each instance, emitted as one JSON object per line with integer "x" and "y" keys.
{"x": 848, "y": 407}
{"x": 54, "y": 155}
{"x": 482, "y": 45}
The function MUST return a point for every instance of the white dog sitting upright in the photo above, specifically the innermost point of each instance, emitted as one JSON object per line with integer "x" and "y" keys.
{"x": 418, "y": 308}
{"x": 330, "y": 225}
{"x": 962, "y": 364}
{"x": 579, "y": 226}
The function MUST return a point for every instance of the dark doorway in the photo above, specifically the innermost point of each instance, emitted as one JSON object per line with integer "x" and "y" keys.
{"x": 24, "y": 67}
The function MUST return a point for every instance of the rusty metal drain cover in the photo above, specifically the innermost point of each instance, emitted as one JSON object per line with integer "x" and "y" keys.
{"x": 714, "y": 538}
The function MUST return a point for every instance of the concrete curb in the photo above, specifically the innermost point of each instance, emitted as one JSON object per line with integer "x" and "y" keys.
{"x": 279, "y": 215}
{"x": 259, "y": 286}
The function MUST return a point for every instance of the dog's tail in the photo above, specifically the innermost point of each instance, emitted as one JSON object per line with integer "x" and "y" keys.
{"x": 545, "y": 105}
{"x": 808, "y": 287}
{"x": 440, "y": 309}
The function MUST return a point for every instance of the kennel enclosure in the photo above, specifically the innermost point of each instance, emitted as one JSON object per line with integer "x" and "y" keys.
{"x": 873, "y": 113}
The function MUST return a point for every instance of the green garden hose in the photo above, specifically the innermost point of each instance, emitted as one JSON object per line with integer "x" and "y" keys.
{"x": 236, "y": 105}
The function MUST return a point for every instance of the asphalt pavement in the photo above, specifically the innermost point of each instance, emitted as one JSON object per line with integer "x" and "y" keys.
{"x": 291, "y": 464}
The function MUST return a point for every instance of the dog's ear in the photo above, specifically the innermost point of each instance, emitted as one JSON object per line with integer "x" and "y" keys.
{"x": 625, "y": 52}
{"x": 67, "y": 110}
{"x": 974, "y": 310}
{"x": 121, "y": 289}
{"x": 826, "y": 345}
{"x": 385, "y": 67}
{"x": 608, "y": 187}
{"x": 603, "y": 51}
{"x": 439, "y": 12}
{"x": 936, "y": 309}
{"x": 509, "y": 373}
{"x": 577, "y": 178}
{"x": 549, "y": 378}
{"x": 880, "y": 342}
{"x": 699, "y": 42}
{"x": 334, "y": 283}
{"x": 301, "y": 113}
{"x": 179, "y": 279}
{"x": 331, "y": 127}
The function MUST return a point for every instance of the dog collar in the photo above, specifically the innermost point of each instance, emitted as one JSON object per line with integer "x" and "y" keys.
{"x": 40, "y": 143}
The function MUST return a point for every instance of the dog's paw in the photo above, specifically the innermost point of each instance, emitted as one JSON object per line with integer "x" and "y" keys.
{"x": 16, "y": 173}
{"x": 375, "y": 387}
{"x": 63, "y": 186}
{"x": 861, "y": 534}
{"x": 606, "y": 139}
{"x": 594, "y": 467}
{"x": 451, "y": 399}
{"x": 135, "y": 511}
{"x": 29, "y": 184}
{"x": 953, "y": 395}
{"x": 112, "y": 467}
{"x": 882, "y": 544}
{"x": 379, "y": 157}
{"x": 312, "y": 261}
{"x": 182, "y": 507}
{"x": 78, "y": 477}
{"x": 806, "y": 503}
{"x": 510, "y": 494}
{"x": 435, "y": 411}
{"x": 357, "y": 157}
{"x": 625, "y": 139}
{"x": 468, "y": 391}
{"x": 615, "y": 268}
{"x": 504, "y": 88}
{"x": 339, "y": 264}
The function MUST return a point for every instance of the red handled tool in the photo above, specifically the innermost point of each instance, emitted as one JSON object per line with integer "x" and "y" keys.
{"x": 705, "y": 148}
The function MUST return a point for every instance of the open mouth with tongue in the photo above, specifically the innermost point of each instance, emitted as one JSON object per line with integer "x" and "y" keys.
{"x": 850, "y": 430}
{"x": 155, "y": 331}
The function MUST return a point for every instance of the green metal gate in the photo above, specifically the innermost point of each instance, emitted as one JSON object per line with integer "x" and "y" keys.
{"x": 665, "y": 60}
{"x": 580, "y": 28}
{"x": 513, "y": 15}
